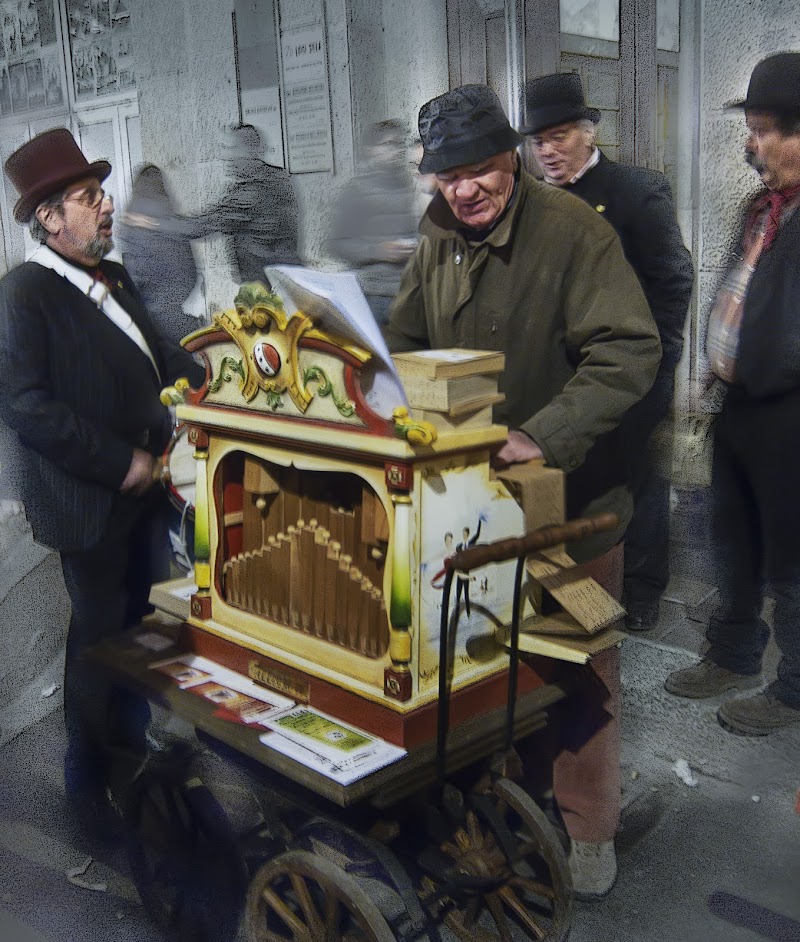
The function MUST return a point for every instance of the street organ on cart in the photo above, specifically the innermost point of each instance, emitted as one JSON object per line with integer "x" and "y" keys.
{"x": 323, "y": 527}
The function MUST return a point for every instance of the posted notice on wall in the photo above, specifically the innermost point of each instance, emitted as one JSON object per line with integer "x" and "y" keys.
{"x": 306, "y": 99}
{"x": 259, "y": 74}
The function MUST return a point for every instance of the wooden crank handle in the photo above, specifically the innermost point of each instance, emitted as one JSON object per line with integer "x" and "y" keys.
{"x": 514, "y": 547}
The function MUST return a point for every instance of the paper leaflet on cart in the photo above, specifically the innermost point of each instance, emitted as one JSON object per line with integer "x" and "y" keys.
{"x": 228, "y": 690}
{"x": 322, "y": 742}
{"x": 336, "y": 301}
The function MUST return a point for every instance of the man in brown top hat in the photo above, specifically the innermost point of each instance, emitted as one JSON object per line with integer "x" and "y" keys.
{"x": 638, "y": 204}
{"x": 753, "y": 349}
{"x": 507, "y": 263}
{"x": 81, "y": 370}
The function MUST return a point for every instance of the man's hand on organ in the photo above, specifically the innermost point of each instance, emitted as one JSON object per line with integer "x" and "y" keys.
{"x": 518, "y": 448}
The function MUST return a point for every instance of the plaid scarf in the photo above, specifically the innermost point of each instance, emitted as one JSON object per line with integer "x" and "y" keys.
{"x": 725, "y": 320}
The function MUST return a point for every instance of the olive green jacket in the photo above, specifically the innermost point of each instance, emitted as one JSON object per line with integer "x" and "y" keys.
{"x": 550, "y": 287}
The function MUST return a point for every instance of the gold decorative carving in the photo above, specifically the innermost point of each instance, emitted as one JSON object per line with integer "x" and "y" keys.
{"x": 415, "y": 432}
{"x": 268, "y": 340}
{"x": 269, "y": 364}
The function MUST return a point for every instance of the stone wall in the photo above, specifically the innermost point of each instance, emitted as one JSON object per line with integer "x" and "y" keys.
{"x": 736, "y": 34}
{"x": 382, "y": 62}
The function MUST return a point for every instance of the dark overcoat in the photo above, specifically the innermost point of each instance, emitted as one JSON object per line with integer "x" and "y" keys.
{"x": 80, "y": 396}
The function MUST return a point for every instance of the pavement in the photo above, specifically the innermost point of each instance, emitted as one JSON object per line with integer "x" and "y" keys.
{"x": 724, "y": 835}
{"x": 708, "y": 849}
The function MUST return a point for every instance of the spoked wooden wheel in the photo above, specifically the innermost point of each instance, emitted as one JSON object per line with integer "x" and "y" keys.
{"x": 301, "y": 897}
{"x": 509, "y": 878}
{"x": 183, "y": 857}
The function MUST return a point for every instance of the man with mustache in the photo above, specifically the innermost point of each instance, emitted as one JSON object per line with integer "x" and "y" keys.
{"x": 81, "y": 370}
{"x": 753, "y": 349}
{"x": 507, "y": 263}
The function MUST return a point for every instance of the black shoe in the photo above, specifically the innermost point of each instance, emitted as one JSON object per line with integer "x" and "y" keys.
{"x": 641, "y": 619}
{"x": 95, "y": 821}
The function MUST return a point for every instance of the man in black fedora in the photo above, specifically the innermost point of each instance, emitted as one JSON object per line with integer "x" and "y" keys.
{"x": 81, "y": 370}
{"x": 638, "y": 204}
{"x": 507, "y": 263}
{"x": 753, "y": 349}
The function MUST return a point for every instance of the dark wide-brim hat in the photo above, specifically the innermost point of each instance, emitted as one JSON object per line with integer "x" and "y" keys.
{"x": 774, "y": 86}
{"x": 45, "y": 165}
{"x": 555, "y": 99}
{"x": 464, "y": 126}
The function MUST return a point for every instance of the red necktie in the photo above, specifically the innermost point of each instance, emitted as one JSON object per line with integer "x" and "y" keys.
{"x": 777, "y": 200}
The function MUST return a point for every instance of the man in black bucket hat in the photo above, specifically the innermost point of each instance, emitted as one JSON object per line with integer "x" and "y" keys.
{"x": 561, "y": 130}
{"x": 507, "y": 263}
{"x": 753, "y": 349}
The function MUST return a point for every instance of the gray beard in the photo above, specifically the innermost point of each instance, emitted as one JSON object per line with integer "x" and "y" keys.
{"x": 98, "y": 247}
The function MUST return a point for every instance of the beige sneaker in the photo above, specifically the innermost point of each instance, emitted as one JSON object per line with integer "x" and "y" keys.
{"x": 708, "y": 679}
{"x": 593, "y": 868}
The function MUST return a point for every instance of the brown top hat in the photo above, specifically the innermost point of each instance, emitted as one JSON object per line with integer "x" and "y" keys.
{"x": 45, "y": 165}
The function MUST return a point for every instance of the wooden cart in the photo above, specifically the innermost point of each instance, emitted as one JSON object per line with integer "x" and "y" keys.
{"x": 324, "y": 553}
{"x": 226, "y": 832}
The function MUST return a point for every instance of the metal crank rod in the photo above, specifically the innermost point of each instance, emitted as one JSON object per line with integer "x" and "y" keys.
{"x": 498, "y": 552}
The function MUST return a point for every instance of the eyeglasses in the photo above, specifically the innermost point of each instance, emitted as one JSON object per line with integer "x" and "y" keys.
{"x": 91, "y": 198}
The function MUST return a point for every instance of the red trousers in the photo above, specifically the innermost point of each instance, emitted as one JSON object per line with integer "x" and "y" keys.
{"x": 586, "y": 773}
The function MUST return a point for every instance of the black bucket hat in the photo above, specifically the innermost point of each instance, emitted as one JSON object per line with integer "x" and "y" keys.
{"x": 463, "y": 126}
{"x": 774, "y": 86}
{"x": 555, "y": 99}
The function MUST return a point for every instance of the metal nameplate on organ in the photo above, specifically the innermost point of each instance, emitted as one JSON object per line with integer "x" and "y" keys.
{"x": 281, "y": 681}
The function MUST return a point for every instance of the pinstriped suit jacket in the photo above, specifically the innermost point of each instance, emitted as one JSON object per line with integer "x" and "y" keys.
{"x": 80, "y": 395}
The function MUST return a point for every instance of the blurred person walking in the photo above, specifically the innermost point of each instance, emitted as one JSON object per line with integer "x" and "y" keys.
{"x": 375, "y": 225}
{"x": 157, "y": 252}
{"x": 258, "y": 211}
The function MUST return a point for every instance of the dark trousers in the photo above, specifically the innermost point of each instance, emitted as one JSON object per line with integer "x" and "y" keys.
{"x": 649, "y": 429}
{"x": 108, "y": 585}
{"x": 756, "y": 522}
{"x": 462, "y": 585}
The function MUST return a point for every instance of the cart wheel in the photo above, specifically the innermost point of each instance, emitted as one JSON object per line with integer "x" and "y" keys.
{"x": 183, "y": 856}
{"x": 300, "y": 897}
{"x": 506, "y": 873}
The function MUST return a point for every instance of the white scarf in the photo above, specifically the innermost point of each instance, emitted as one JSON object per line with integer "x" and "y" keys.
{"x": 97, "y": 292}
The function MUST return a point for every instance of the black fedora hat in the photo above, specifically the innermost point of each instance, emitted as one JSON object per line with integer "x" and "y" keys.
{"x": 463, "y": 126}
{"x": 774, "y": 86}
{"x": 555, "y": 99}
{"x": 45, "y": 165}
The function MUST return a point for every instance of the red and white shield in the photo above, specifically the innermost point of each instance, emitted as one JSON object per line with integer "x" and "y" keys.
{"x": 267, "y": 358}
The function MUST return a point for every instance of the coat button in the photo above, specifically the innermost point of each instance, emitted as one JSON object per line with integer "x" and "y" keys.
{"x": 458, "y": 259}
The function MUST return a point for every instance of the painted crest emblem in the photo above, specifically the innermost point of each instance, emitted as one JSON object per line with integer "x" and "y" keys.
{"x": 267, "y": 358}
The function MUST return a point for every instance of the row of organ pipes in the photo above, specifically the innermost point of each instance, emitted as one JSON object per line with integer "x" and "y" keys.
{"x": 313, "y": 554}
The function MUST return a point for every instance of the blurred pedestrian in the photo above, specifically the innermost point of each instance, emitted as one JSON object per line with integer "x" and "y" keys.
{"x": 258, "y": 211}
{"x": 375, "y": 225}
{"x": 157, "y": 253}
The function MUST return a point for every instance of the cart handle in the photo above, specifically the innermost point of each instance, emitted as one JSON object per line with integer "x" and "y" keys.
{"x": 544, "y": 537}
